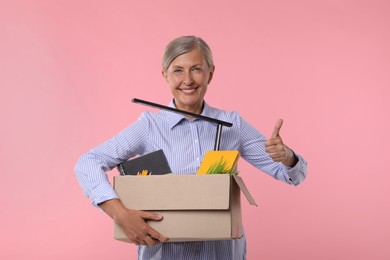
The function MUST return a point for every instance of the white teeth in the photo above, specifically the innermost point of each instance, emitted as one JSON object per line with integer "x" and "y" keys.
{"x": 188, "y": 91}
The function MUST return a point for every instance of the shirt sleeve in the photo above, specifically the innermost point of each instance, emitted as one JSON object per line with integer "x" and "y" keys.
{"x": 297, "y": 174}
{"x": 92, "y": 167}
{"x": 253, "y": 151}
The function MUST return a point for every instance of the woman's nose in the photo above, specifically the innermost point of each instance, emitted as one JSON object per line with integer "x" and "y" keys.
{"x": 187, "y": 80}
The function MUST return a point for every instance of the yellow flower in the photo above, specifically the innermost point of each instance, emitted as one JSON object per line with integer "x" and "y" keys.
{"x": 144, "y": 173}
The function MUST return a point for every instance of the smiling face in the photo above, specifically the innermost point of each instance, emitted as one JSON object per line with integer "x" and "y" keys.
{"x": 188, "y": 76}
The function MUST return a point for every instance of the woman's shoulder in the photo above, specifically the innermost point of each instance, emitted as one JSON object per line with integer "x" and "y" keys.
{"x": 152, "y": 116}
{"x": 222, "y": 114}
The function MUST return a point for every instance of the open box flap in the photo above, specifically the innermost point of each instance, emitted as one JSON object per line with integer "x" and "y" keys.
{"x": 244, "y": 190}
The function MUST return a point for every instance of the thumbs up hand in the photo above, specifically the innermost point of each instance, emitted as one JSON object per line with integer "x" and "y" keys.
{"x": 278, "y": 125}
{"x": 277, "y": 150}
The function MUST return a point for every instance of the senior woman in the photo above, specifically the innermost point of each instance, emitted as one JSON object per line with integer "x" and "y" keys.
{"x": 188, "y": 69}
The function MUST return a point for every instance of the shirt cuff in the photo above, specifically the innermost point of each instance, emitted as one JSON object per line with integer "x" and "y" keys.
{"x": 297, "y": 174}
{"x": 102, "y": 193}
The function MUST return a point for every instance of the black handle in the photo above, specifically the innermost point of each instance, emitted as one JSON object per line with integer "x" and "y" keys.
{"x": 182, "y": 112}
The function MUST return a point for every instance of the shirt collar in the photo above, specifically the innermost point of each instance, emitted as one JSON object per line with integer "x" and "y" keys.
{"x": 174, "y": 118}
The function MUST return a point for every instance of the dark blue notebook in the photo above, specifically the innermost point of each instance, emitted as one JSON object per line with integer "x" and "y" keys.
{"x": 154, "y": 163}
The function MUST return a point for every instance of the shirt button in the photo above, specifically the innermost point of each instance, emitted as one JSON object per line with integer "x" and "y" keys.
{"x": 197, "y": 159}
{"x": 196, "y": 140}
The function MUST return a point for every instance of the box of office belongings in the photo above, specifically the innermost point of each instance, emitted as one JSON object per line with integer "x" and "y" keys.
{"x": 194, "y": 207}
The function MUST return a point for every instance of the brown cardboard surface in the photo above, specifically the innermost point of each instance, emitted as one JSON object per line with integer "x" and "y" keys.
{"x": 174, "y": 192}
{"x": 195, "y": 207}
{"x": 245, "y": 190}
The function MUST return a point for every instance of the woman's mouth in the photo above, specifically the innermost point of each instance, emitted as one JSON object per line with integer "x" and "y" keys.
{"x": 188, "y": 90}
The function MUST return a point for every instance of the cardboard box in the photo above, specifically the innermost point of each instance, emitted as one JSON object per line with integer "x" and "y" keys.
{"x": 195, "y": 207}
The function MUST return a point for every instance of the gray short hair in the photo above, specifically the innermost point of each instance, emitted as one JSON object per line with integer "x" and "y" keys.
{"x": 183, "y": 45}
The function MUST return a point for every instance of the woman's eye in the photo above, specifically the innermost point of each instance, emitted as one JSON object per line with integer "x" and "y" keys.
{"x": 177, "y": 70}
{"x": 196, "y": 69}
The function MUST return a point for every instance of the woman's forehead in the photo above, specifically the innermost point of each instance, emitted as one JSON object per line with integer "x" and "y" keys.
{"x": 193, "y": 57}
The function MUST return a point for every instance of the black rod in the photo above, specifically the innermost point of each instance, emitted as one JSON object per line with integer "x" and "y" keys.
{"x": 218, "y": 138}
{"x": 175, "y": 110}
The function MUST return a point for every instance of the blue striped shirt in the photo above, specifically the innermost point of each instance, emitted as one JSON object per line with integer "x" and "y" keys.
{"x": 184, "y": 143}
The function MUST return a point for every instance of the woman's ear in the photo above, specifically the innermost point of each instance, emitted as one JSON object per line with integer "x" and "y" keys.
{"x": 165, "y": 76}
{"x": 211, "y": 74}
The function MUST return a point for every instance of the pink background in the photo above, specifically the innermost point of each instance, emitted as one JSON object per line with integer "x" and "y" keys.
{"x": 68, "y": 70}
